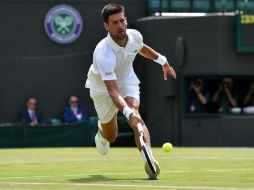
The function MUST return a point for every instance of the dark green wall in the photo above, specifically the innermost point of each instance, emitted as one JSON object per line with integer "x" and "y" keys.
{"x": 209, "y": 43}
{"x": 65, "y": 135}
{"x": 31, "y": 64}
{"x": 208, "y": 50}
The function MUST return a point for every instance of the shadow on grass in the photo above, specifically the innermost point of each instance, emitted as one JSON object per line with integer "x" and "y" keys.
{"x": 101, "y": 178}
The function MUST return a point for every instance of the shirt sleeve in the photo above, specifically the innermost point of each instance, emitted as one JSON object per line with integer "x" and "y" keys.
{"x": 141, "y": 44}
{"x": 106, "y": 66}
{"x": 138, "y": 38}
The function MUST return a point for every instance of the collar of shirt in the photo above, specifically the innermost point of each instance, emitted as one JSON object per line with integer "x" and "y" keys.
{"x": 31, "y": 111}
{"x": 74, "y": 109}
{"x": 115, "y": 46}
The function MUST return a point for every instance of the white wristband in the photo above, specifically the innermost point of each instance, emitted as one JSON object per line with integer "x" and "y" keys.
{"x": 162, "y": 60}
{"x": 127, "y": 111}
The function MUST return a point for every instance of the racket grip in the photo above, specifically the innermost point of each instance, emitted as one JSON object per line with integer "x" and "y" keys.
{"x": 140, "y": 128}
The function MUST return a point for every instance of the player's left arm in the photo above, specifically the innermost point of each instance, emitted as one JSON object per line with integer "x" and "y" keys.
{"x": 150, "y": 53}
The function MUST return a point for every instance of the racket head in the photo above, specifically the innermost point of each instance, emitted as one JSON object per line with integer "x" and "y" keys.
{"x": 149, "y": 159}
{"x": 151, "y": 175}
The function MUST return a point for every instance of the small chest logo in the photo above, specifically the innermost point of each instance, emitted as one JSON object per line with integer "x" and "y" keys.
{"x": 63, "y": 24}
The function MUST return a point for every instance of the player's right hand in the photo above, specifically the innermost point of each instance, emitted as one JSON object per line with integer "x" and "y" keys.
{"x": 135, "y": 119}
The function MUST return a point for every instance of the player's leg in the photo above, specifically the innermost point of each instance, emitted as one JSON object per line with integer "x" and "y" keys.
{"x": 109, "y": 130}
{"x": 107, "y": 123}
{"x": 107, "y": 133}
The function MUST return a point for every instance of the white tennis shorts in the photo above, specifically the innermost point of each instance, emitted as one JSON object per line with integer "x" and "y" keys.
{"x": 104, "y": 105}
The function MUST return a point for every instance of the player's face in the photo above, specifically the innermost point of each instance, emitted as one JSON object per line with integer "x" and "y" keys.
{"x": 116, "y": 26}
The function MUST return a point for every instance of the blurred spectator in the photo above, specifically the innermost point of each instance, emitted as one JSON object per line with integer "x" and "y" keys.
{"x": 30, "y": 114}
{"x": 225, "y": 99}
{"x": 73, "y": 112}
{"x": 199, "y": 96}
{"x": 248, "y": 101}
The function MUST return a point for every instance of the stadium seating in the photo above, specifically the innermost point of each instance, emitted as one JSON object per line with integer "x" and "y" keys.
{"x": 180, "y": 5}
{"x": 224, "y": 5}
{"x": 245, "y": 5}
{"x": 199, "y": 5}
{"x": 202, "y": 6}
{"x": 158, "y": 6}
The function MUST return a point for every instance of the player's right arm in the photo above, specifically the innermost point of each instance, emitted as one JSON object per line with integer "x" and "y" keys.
{"x": 121, "y": 104}
{"x": 113, "y": 91}
{"x": 106, "y": 64}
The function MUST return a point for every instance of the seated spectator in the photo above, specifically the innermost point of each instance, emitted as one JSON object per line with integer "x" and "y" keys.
{"x": 73, "y": 112}
{"x": 30, "y": 114}
{"x": 198, "y": 96}
{"x": 225, "y": 98}
{"x": 248, "y": 101}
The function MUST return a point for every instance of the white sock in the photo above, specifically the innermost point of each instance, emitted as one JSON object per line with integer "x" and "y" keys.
{"x": 99, "y": 125}
{"x": 100, "y": 128}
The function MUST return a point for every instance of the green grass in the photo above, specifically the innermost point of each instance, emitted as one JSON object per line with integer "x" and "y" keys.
{"x": 122, "y": 168}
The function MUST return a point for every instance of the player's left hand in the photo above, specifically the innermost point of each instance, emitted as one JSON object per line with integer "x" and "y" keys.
{"x": 168, "y": 70}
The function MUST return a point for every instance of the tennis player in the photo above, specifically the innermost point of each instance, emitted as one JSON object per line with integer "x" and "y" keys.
{"x": 111, "y": 79}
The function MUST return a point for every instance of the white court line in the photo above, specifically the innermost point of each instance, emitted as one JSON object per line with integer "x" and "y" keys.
{"x": 3, "y": 162}
{"x": 211, "y": 157}
{"x": 92, "y": 174}
{"x": 127, "y": 185}
{"x": 67, "y": 175}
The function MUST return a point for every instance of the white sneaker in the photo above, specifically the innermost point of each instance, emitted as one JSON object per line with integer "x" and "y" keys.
{"x": 102, "y": 144}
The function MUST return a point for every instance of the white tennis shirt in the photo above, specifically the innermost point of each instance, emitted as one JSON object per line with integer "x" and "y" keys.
{"x": 113, "y": 62}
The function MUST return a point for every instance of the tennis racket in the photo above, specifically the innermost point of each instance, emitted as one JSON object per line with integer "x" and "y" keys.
{"x": 146, "y": 149}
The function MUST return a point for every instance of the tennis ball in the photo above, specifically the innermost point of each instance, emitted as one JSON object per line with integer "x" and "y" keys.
{"x": 167, "y": 147}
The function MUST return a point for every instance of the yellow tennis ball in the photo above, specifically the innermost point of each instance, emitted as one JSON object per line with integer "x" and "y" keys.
{"x": 167, "y": 147}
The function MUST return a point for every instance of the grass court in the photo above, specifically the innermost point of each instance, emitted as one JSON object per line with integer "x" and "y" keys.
{"x": 123, "y": 168}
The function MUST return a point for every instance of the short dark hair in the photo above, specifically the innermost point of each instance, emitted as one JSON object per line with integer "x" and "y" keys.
{"x": 110, "y": 9}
